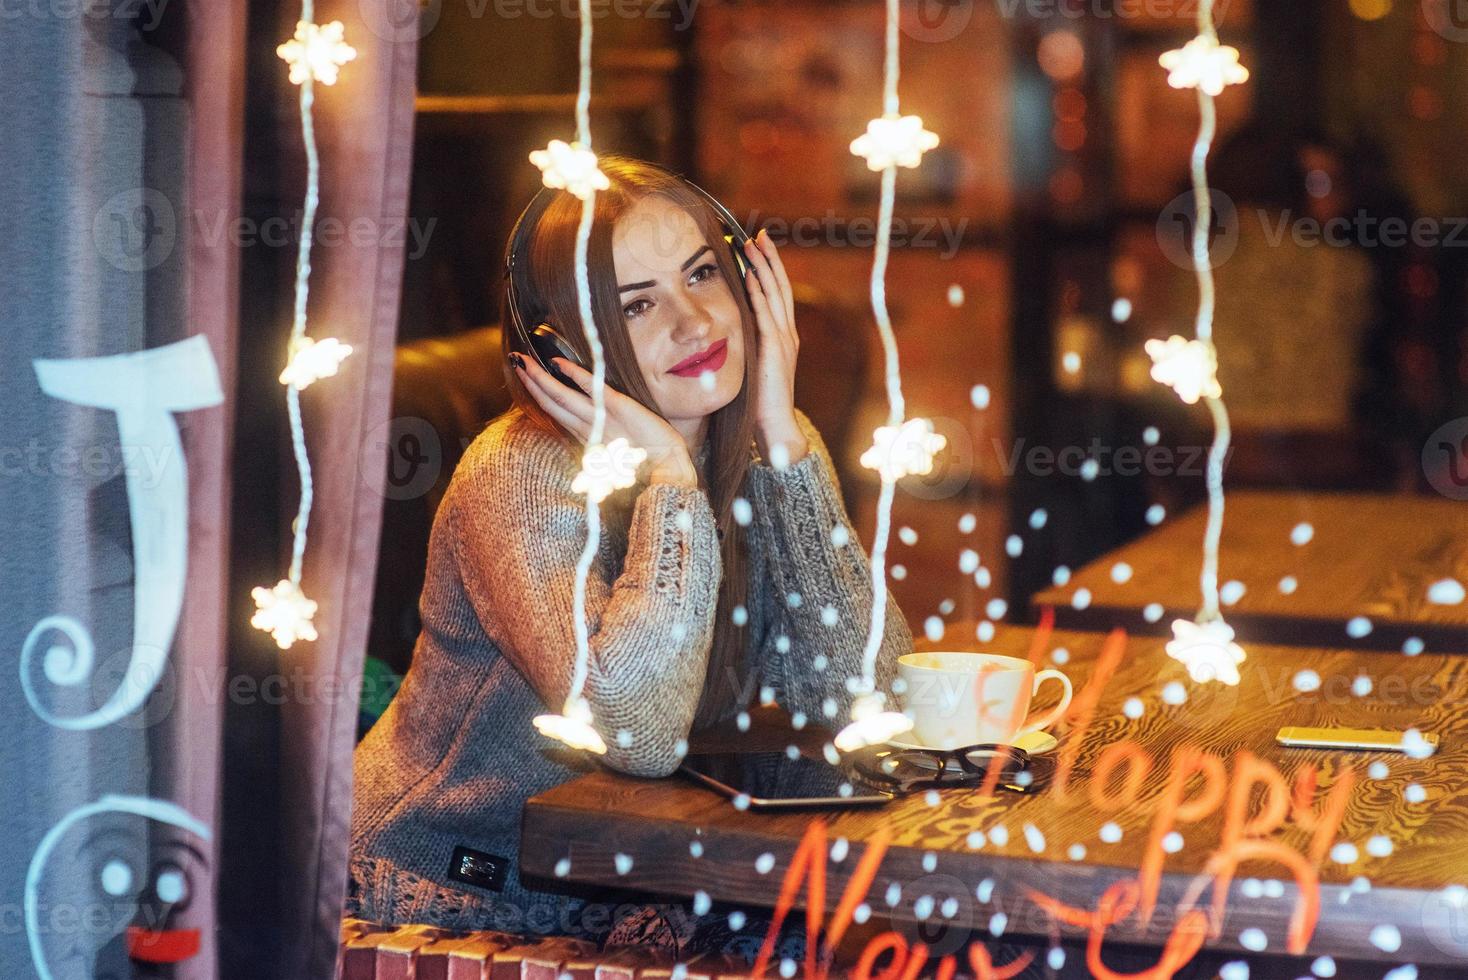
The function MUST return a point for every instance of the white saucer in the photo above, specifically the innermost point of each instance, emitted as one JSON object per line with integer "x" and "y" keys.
{"x": 1034, "y": 743}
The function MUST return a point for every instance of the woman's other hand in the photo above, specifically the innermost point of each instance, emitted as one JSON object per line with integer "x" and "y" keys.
{"x": 668, "y": 460}
{"x": 779, "y": 344}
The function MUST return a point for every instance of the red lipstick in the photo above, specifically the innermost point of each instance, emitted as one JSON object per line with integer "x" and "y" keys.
{"x": 161, "y": 946}
{"x": 708, "y": 360}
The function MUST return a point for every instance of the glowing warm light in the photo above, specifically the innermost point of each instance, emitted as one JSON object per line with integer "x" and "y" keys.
{"x": 570, "y": 166}
{"x": 317, "y": 52}
{"x": 572, "y": 728}
{"x": 871, "y": 724}
{"x": 894, "y": 141}
{"x": 1204, "y": 64}
{"x": 608, "y": 468}
{"x": 1189, "y": 367}
{"x": 312, "y": 360}
{"x": 284, "y": 612}
{"x": 905, "y": 451}
{"x": 1207, "y": 649}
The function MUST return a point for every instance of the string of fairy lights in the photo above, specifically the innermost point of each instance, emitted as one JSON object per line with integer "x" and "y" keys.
{"x": 1205, "y": 644}
{"x": 315, "y": 54}
{"x": 903, "y": 446}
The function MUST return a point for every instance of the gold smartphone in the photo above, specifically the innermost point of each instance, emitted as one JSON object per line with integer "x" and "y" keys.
{"x": 1359, "y": 739}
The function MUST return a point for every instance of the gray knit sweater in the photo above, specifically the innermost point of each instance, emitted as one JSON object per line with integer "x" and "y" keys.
{"x": 453, "y": 759}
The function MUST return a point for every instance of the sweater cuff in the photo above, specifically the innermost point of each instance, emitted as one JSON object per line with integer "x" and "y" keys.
{"x": 674, "y": 533}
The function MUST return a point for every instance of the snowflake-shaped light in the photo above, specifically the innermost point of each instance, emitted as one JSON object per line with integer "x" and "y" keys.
{"x": 572, "y": 728}
{"x": 605, "y": 469}
{"x": 903, "y": 451}
{"x": 312, "y": 360}
{"x": 317, "y": 51}
{"x": 284, "y": 612}
{"x": 871, "y": 724}
{"x": 572, "y": 166}
{"x": 1207, "y": 649}
{"x": 894, "y": 141}
{"x": 1189, "y": 367}
{"x": 1205, "y": 64}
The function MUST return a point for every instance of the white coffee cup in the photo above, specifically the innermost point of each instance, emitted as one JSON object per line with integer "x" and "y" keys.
{"x": 959, "y": 699}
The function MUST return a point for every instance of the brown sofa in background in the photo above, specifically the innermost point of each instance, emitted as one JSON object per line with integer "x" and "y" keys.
{"x": 446, "y": 389}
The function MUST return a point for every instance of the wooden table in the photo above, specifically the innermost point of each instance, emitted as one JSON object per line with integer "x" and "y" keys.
{"x": 655, "y": 822}
{"x": 1371, "y": 555}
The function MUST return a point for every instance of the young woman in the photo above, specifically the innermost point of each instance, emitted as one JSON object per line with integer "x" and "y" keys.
{"x": 717, "y": 576}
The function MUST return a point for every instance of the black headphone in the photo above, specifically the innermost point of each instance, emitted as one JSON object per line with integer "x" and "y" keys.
{"x": 544, "y": 342}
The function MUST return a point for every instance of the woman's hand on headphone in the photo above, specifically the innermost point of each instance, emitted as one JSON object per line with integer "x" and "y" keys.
{"x": 774, "y": 311}
{"x": 667, "y": 453}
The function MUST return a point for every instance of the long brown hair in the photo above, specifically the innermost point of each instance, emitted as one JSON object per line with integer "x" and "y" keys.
{"x": 546, "y": 291}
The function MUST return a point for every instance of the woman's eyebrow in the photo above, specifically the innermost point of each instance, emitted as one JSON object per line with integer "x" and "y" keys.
{"x": 653, "y": 282}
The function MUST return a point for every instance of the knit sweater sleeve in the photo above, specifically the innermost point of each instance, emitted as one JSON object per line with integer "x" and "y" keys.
{"x": 519, "y": 531}
{"x": 818, "y": 599}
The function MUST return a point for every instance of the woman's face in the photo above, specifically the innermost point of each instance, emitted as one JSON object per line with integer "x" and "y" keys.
{"x": 681, "y": 314}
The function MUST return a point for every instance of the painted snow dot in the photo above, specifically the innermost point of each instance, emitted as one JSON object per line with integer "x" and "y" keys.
{"x": 742, "y": 721}
{"x": 1377, "y": 770}
{"x": 949, "y": 907}
{"x": 1060, "y": 655}
{"x": 1173, "y": 842}
{"x": 1301, "y": 533}
{"x": 1307, "y": 681}
{"x": 1055, "y": 958}
{"x": 739, "y": 615}
{"x": 736, "y": 920}
{"x": 1151, "y": 435}
{"x": 1415, "y": 746}
{"x": 684, "y": 520}
{"x": 999, "y": 835}
{"x": 1323, "y": 967}
{"x": 930, "y": 862}
{"x": 946, "y": 607}
{"x": 1038, "y": 518}
{"x": 1121, "y": 312}
{"x": 1414, "y": 793}
{"x": 1234, "y": 970}
{"x": 1034, "y": 838}
{"x": 985, "y": 631}
{"x": 923, "y": 907}
{"x": 829, "y": 616}
{"x": 741, "y": 801}
{"x": 979, "y": 396}
{"x": 985, "y": 891}
{"x": 1361, "y": 686}
{"x": 701, "y": 902}
{"x": 968, "y": 561}
{"x": 1090, "y": 469}
{"x": 998, "y": 923}
{"x": 1014, "y": 546}
{"x": 793, "y": 600}
{"x": 1082, "y": 599}
{"x": 1254, "y": 940}
{"x": 1076, "y": 852}
{"x": 1252, "y": 888}
{"x": 1386, "y": 937}
{"x": 1156, "y": 514}
{"x": 840, "y": 537}
{"x": 788, "y": 968}
{"x": 955, "y": 295}
{"x": 996, "y": 609}
{"x": 764, "y": 863}
{"x": 1406, "y": 972}
{"x": 1121, "y": 573}
{"x": 1232, "y": 592}
{"x": 933, "y": 628}
{"x": 743, "y": 512}
{"x": 1288, "y": 585}
{"x": 907, "y": 536}
{"x": 563, "y": 867}
{"x": 117, "y": 878}
{"x": 839, "y": 849}
{"x": 695, "y": 848}
{"x": 1358, "y": 627}
{"x": 623, "y": 863}
{"x": 1133, "y": 708}
{"x": 1413, "y": 645}
{"x": 1153, "y": 612}
{"x": 1174, "y": 693}
{"x": 1110, "y": 832}
{"x": 983, "y": 579}
{"x": 1061, "y": 575}
{"x": 976, "y": 839}
{"x": 967, "y": 523}
{"x": 1447, "y": 592}
{"x": 862, "y": 914}
{"x": 1345, "y": 853}
{"x": 1379, "y": 846}
{"x": 894, "y": 895}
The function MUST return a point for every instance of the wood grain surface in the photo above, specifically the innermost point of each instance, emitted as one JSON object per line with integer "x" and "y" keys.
{"x": 1371, "y": 555}
{"x": 660, "y": 824}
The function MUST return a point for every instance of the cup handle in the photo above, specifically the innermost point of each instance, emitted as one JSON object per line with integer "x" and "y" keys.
{"x": 1054, "y": 714}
